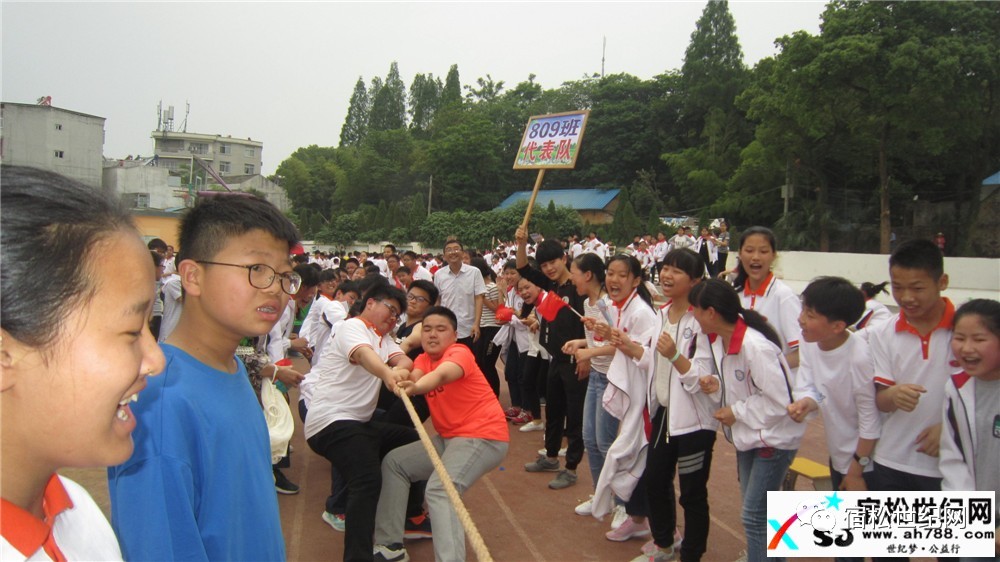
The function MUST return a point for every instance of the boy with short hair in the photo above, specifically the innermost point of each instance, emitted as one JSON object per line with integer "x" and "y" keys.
{"x": 200, "y": 485}
{"x": 911, "y": 356}
{"x": 345, "y": 388}
{"x": 835, "y": 376}
{"x": 567, "y": 380}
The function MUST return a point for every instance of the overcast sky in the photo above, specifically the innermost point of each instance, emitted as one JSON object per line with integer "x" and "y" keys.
{"x": 283, "y": 73}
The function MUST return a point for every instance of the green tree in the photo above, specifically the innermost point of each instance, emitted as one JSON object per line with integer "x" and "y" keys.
{"x": 425, "y": 95}
{"x": 389, "y": 103}
{"x": 452, "y": 92}
{"x": 488, "y": 90}
{"x": 356, "y": 125}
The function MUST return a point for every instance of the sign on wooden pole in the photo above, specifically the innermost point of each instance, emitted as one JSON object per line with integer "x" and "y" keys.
{"x": 549, "y": 141}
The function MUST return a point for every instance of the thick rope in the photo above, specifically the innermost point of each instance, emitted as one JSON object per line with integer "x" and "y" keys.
{"x": 482, "y": 553}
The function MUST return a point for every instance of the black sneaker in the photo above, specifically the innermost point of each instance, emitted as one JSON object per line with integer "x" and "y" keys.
{"x": 283, "y": 485}
{"x": 418, "y": 527}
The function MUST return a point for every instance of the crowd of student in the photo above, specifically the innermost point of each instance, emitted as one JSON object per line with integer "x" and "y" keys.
{"x": 910, "y": 400}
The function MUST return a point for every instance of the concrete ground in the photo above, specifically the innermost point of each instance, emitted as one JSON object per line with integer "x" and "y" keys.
{"x": 519, "y": 517}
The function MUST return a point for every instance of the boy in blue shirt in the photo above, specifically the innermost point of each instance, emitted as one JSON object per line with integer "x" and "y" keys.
{"x": 199, "y": 485}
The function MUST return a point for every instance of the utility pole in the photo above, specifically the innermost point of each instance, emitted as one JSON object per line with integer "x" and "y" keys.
{"x": 430, "y": 190}
{"x": 604, "y": 50}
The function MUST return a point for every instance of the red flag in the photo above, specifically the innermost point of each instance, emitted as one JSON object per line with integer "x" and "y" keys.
{"x": 504, "y": 314}
{"x": 550, "y": 306}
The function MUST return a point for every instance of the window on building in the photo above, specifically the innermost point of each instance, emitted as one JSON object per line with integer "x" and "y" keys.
{"x": 59, "y": 154}
{"x": 225, "y": 149}
{"x": 136, "y": 200}
{"x": 225, "y": 167}
{"x": 198, "y": 148}
{"x": 58, "y": 126}
{"x": 248, "y": 151}
{"x": 248, "y": 169}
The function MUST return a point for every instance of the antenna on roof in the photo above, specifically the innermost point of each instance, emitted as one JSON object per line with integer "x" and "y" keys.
{"x": 187, "y": 111}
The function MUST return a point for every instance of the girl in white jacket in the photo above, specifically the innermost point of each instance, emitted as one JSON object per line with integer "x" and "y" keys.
{"x": 683, "y": 429}
{"x": 743, "y": 366}
{"x": 970, "y": 447}
{"x": 632, "y": 330}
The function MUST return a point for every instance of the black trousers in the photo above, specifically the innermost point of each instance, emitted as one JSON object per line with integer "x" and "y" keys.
{"x": 534, "y": 374}
{"x": 356, "y": 450}
{"x": 689, "y": 455}
{"x": 487, "y": 354}
{"x": 564, "y": 397}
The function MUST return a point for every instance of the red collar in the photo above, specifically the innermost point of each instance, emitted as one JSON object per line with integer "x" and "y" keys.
{"x": 624, "y": 303}
{"x": 27, "y": 533}
{"x": 762, "y": 290}
{"x": 370, "y": 326}
{"x": 945, "y": 324}
{"x": 736, "y": 342}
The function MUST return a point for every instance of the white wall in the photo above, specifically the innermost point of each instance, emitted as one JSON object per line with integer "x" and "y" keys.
{"x": 151, "y": 180}
{"x": 33, "y": 133}
{"x": 968, "y": 277}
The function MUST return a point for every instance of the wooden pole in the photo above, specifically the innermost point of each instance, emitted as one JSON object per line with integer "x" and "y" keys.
{"x": 531, "y": 202}
{"x": 475, "y": 539}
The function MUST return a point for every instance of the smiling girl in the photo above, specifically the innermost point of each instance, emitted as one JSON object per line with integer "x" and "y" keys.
{"x": 764, "y": 293}
{"x": 970, "y": 447}
{"x": 632, "y": 331}
{"x": 683, "y": 429}
{"x": 77, "y": 286}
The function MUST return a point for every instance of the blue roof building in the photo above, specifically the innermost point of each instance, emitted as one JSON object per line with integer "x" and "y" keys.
{"x": 596, "y": 206}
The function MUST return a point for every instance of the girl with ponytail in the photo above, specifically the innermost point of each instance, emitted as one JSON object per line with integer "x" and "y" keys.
{"x": 876, "y": 313}
{"x": 743, "y": 368}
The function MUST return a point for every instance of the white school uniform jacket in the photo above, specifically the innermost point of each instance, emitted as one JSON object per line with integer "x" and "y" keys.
{"x": 279, "y": 338}
{"x": 757, "y": 384}
{"x": 840, "y": 381}
{"x": 876, "y": 314}
{"x": 713, "y": 252}
{"x": 958, "y": 436}
{"x": 780, "y": 306}
{"x": 688, "y": 410}
{"x": 625, "y": 398}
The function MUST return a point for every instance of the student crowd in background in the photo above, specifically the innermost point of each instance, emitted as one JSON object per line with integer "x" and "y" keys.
{"x": 639, "y": 378}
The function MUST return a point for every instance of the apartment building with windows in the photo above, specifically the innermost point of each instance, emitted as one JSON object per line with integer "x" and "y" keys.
{"x": 54, "y": 139}
{"x": 229, "y": 156}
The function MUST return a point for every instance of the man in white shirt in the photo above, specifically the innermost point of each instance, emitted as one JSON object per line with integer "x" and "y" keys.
{"x": 462, "y": 290}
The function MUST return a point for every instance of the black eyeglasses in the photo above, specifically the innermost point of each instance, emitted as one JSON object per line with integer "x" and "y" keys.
{"x": 393, "y": 313}
{"x": 414, "y": 298}
{"x": 261, "y": 276}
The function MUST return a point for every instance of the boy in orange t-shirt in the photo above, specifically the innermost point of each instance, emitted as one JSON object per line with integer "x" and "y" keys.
{"x": 472, "y": 440}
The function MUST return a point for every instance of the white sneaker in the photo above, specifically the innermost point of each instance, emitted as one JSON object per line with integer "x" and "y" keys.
{"x": 533, "y": 425}
{"x": 585, "y": 508}
{"x": 562, "y": 452}
{"x": 618, "y": 516}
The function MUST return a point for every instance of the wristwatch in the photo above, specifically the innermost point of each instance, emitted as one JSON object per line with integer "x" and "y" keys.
{"x": 863, "y": 461}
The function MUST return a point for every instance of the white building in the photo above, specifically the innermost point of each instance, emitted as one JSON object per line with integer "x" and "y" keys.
{"x": 54, "y": 139}
{"x": 229, "y": 156}
{"x": 142, "y": 186}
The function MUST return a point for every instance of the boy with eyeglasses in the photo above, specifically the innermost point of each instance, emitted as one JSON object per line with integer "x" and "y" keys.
{"x": 361, "y": 355}
{"x": 199, "y": 484}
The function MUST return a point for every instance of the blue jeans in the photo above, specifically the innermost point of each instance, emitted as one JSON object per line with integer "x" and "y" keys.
{"x": 599, "y": 427}
{"x": 761, "y": 470}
